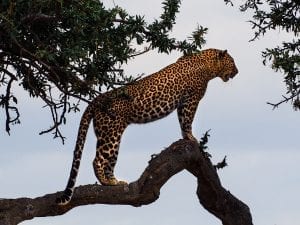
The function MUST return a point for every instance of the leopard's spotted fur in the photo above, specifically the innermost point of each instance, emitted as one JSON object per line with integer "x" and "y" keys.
{"x": 180, "y": 86}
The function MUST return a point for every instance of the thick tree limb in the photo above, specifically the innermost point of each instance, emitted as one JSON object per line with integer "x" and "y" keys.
{"x": 180, "y": 155}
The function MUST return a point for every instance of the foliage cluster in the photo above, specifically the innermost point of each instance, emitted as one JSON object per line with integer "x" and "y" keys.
{"x": 280, "y": 15}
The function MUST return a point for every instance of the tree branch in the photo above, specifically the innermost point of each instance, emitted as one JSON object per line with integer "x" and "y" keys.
{"x": 5, "y": 103}
{"x": 182, "y": 154}
{"x": 284, "y": 100}
{"x": 39, "y": 17}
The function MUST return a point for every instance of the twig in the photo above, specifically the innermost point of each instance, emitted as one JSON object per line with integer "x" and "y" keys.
{"x": 222, "y": 164}
{"x": 285, "y": 100}
{"x": 57, "y": 121}
{"x": 146, "y": 49}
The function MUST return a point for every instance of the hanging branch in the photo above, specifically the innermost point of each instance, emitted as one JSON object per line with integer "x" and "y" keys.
{"x": 5, "y": 102}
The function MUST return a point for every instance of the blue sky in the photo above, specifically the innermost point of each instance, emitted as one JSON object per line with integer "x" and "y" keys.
{"x": 261, "y": 144}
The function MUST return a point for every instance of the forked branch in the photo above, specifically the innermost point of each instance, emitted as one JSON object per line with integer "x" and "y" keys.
{"x": 180, "y": 155}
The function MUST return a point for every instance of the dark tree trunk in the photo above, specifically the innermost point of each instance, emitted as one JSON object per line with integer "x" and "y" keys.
{"x": 180, "y": 155}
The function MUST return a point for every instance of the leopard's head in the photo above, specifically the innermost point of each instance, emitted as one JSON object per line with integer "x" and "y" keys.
{"x": 226, "y": 66}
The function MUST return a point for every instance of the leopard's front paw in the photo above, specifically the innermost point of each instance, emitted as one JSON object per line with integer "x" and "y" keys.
{"x": 190, "y": 137}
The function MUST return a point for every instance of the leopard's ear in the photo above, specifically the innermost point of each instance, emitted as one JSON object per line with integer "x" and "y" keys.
{"x": 222, "y": 54}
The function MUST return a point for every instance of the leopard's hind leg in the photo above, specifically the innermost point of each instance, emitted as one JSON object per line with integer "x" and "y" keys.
{"x": 108, "y": 131}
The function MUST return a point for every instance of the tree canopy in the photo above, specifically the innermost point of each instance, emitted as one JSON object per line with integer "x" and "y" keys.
{"x": 60, "y": 49}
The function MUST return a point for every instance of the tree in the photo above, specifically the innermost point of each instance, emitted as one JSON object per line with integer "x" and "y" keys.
{"x": 279, "y": 15}
{"x": 64, "y": 52}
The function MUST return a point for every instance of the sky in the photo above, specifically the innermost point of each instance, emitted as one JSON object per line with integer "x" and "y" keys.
{"x": 261, "y": 144}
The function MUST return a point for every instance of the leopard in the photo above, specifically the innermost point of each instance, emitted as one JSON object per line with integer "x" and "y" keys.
{"x": 180, "y": 86}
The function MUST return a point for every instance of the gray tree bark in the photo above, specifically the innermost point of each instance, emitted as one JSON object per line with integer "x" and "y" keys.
{"x": 181, "y": 155}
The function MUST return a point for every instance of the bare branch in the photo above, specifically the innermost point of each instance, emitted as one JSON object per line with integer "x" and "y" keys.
{"x": 284, "y": 100}
{"x": 5, "y": 71}
{"x": 57, "y": 120}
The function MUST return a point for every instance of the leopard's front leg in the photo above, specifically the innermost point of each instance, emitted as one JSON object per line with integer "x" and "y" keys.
{"x": 186, "y": 112}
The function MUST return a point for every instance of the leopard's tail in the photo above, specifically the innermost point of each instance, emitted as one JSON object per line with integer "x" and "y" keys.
{"x": 83, "y": 128}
